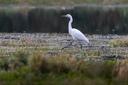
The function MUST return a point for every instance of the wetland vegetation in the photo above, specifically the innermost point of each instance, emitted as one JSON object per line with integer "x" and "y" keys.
{"x": 36, "y": 59}
{"x": 29, "y": 59}
{"x": 62, "y": 2}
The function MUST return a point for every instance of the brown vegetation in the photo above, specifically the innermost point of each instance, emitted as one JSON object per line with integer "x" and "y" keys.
{"x": 121, "y": 70}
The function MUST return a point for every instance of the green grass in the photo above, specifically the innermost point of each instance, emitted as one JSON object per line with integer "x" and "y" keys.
{"x": 119, "y": 42}
{"x": 38, "y": 68}
{"x": 62, "y": 2}
{"x": 45, "y": 66}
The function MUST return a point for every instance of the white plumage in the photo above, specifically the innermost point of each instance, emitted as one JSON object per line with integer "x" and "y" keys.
{"x": 75, "y": 33}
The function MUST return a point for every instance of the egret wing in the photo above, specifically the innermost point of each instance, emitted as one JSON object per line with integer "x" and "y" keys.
{"x": 78, "y": 35}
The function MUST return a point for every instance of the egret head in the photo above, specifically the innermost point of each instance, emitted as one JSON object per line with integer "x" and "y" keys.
{"x": 68, "y": 16}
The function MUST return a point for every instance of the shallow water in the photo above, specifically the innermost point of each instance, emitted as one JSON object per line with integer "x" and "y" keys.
{"x": 99, "y": 44}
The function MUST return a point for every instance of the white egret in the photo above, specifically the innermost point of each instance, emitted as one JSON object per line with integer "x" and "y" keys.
{"x": 75, "y": 33}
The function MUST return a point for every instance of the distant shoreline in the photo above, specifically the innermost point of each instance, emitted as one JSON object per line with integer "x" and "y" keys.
{"x": 61, "y": 6}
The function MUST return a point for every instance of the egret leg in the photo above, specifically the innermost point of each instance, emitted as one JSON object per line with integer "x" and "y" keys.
{"x": 81, "y": 46}
{"x": 67, "y": 45}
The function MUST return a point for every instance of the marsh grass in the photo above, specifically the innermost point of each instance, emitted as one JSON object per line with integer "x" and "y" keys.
{"x": 62, "y": 2}
{"x": 66, "y": 63}
{"x": 40, "y": 68}
{"x": 93, "y": 53}
{"x": 119, "y": 43}
{"x": 14, "y": 61}
{"x": 121, "y": 70}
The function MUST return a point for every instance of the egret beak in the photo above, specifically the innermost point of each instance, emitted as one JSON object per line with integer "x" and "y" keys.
{"x": 63, "y": 16}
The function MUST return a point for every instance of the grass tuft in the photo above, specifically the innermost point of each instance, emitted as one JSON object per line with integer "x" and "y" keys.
{"x": 40, "y": 68}
{"x": 119, "y": 43}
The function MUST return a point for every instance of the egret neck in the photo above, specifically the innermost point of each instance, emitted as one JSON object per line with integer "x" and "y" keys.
{"x": 70, "y": 24}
